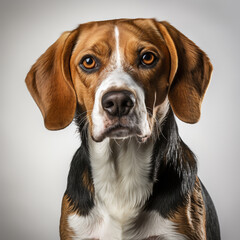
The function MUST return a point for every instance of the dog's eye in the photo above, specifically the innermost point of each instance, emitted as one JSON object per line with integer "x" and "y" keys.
{"x": 89, "y": 64}
{"x": 148, "y": 59}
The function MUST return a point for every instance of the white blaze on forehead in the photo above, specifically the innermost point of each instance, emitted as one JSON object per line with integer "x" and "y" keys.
{"x": 118, "y": 57}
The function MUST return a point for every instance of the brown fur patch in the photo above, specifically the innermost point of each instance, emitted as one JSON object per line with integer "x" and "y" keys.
{"x": 65, "y": 232}
{"x": 190, "y": 75}
{"x": 50, "y": 84}
{"x": 190, "y": 219}
{"x": 87, "y": 182}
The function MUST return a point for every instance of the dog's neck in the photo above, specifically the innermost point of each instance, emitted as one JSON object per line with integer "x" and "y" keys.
{"x": 121, "y": 171}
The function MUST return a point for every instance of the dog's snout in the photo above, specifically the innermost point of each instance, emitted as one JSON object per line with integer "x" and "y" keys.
{"x": 118, "y": 103}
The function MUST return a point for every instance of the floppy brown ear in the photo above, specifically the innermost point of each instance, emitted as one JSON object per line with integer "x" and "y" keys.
{"x": 49, "y": 82}
{"x": 189, "y": 76}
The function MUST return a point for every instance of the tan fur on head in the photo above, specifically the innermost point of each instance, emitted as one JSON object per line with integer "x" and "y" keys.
{"x": 56, "y": 83}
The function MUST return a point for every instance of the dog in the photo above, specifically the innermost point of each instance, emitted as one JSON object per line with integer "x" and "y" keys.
{"x": 123, "y": 81}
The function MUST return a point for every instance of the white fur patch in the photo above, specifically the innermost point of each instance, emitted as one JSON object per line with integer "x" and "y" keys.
{"x": 118, "y": 57}
{"x": 119, "y": 79}
{"x": 121, "y": 175}
{"x": 101, "y": 226}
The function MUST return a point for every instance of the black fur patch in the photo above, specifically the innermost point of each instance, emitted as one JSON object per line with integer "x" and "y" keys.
{"x": 212, "y": 224}
{"x": 80, "y": 197}
{"x": 174, "y": 170}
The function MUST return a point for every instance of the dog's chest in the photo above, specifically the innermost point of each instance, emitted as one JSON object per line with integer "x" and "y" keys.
{"x": 122, "y": 186}
{"x": 99, "y": 225}
{"x": 121, "y": 177}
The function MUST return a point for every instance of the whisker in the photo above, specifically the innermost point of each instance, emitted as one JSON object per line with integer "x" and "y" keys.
{"x": 117, "y": 142}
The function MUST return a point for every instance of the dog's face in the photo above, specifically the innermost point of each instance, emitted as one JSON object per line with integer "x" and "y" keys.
{"x": 121, "y": 73}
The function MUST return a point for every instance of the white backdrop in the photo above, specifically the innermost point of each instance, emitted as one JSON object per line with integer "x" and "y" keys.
{"x": 35, "y": 161}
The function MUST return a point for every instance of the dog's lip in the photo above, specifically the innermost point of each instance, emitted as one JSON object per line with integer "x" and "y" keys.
{"x": 118, "y": 131}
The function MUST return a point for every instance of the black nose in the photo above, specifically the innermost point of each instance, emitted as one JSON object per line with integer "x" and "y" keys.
{"x": 117, "y": 103}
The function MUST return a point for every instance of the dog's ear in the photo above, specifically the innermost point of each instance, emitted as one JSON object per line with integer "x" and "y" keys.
{"x": 189, "y": 76}
{"x": 49, "y": 82}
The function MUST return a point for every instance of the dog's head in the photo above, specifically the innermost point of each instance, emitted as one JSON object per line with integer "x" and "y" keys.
{"x": 122, "y": 74}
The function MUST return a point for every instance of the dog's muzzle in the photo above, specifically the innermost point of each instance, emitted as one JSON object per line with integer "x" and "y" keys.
{"x": 118, "y": 107}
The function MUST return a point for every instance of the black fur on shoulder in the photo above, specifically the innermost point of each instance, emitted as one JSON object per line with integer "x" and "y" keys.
{"x": 212, "y": 224}
{"x": 174, "y": 170}
{"x": 80, "y": 190}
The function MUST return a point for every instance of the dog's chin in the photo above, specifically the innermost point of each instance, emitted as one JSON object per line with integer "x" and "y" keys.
{"x": 120, "y": 133}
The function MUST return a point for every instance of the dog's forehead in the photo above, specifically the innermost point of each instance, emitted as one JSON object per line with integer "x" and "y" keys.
{"x": 104, "y": 33}
{"x": 91, "y": 34}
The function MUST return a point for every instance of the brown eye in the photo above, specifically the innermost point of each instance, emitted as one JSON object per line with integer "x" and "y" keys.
{"x": 89, "y": 63}
{"x": 148, "y": 58}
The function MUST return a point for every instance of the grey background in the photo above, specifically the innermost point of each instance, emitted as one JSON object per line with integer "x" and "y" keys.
{"x": 35, "y": 161}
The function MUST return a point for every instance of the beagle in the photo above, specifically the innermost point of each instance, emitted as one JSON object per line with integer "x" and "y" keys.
{"x": 132, "y": 177}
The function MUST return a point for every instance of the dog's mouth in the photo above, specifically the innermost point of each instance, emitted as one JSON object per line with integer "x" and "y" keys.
{"x": 120, "y": 131}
